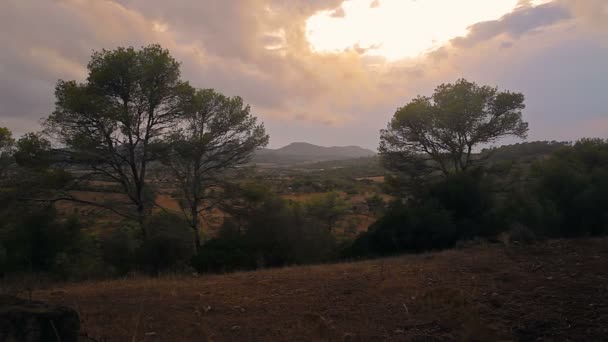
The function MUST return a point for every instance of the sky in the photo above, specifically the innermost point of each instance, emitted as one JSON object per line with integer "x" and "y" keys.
{"x": 329, "y": 72}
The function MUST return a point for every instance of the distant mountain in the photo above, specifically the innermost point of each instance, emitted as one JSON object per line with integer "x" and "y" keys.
{"x": 301, "y": 152}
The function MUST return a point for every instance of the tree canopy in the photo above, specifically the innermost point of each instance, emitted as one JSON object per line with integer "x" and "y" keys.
{"x": 33, "y": 152}
{"x": 109, "y": 123}
{"x": 215, "y": 133}
{"x": 134, "y": 109}
{"x": 7, "y": 144}
{"x": 439, "y": 133}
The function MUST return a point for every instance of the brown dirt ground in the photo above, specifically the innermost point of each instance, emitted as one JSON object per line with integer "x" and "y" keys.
{"x": 554, "y": 291}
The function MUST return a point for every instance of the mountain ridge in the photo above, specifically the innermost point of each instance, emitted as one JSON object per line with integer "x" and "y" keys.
{"x": 302, "y": 152}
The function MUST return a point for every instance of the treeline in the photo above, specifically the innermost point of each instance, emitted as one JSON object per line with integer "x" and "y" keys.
{"x": 262, "y": 230}
{"x": 565, "y": 197}
{"x": 449, "y": 194}
{"x": 134, "y": 114}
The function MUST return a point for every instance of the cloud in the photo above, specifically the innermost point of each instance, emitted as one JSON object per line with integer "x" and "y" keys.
{"x": 523, "y": 20}
{"x": 35, "y": 54}
{"x": 338, "y": 13}
{"x": 592, "y": 12}
{"x": 220, "y": 43}
{"x": 258, "y": 49}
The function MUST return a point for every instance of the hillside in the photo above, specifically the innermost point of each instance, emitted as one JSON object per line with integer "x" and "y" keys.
{"x": 553, "y": 291}
{"x": 524, "y": 152}
{"x": 300, "y": 152}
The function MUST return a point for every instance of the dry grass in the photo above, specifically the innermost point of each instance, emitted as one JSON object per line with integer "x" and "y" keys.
{"x": 308, "y": 196}
{"x": 553, "y": 291}
{"x": 376, "y": 179}
{"x": 104, "y": 221}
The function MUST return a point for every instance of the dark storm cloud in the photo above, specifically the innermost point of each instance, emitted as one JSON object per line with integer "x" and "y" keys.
{"x": 523, "y": 20}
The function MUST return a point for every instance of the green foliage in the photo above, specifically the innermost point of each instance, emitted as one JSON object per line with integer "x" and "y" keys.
{"x": 523, "y": 151}
{"x": 437, "y": 134}
{"x": 268, "y": 232}
{"x": 134, "y": 109}
{"x": 327, "y": 209}
{"x": 459, "y": 207}
{"x": 33, "y": 152}
{"x": 322, "y": 182}
{"x": 565, "y": 197}
{"x": 568, "y": 196}
{"x": 110, "y": 123}
{"x": 37, "y": 240}
{"x": 406, "y": 229}
{"x": 6, "y": 150}
{"x": 375, "y": 204}
{"x": 215, "y": 133}
{"x": 121, "y": 249}
{"x": 348, "y": 168}
{"x": 6, "y": 139}
{"x": 470, "y": 199}
{"x": 230, "y": 251}
{"x": 170, "y": 244}
{"x": 538, "y": 215}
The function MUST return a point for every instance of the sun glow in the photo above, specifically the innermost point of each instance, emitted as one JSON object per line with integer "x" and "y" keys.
{"x": 397, "y": 29}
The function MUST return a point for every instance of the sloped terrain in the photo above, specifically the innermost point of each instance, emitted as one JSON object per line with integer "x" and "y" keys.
{"x": 300, "y": 152}
{"x": 554, "y": 291}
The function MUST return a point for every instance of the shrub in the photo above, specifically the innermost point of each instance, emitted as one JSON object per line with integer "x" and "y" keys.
{"x": 35, "y": 240}
{"x": 470, "y": 200}
{"x": 406, "y": 229}
{"x": 521, "y": 234}
{"x": 272, "y": 232}
{"x": 375, "y": 204}
{"x": 224, "y": 254}
{"x": 81, "y": 258}
{"x": 537, "y": 215}
{"x": 568, "y": 195}
{"x": 461, "y": 206}
{"x": 327, "y": 209}
{"x": 169, "y": 245}
{"x": 120, "y": 249}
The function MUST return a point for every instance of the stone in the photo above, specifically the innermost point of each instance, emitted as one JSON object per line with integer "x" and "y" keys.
{"x": 31, "y": 321}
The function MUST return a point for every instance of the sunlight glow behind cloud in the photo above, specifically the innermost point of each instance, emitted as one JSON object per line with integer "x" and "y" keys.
{"x": 397, "y": 29}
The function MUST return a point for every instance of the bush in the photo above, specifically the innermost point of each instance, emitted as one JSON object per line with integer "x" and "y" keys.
{"x": 575, "y": 181}
{"x": 120, "y": 249}
{"x": 375, "y": 204}
{"x": 406, "y": 229}
{"x": 327, "y": 209}
{"x": 568, "y": 195}
{"x": 460, "y": 207}
{"x": 35, "y": 240}
{"x": 521, "y": 234}
{"x": 470, "y": 200}
{"x": 81, "y": 259}
{"x": 271, "y": 233}
{"x": 225, "y": 254}
{"x": 169, "y": 245}
{"x": 537, "y": 215}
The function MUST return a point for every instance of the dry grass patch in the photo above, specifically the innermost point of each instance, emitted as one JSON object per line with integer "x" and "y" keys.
{"x": 480, "y": 293}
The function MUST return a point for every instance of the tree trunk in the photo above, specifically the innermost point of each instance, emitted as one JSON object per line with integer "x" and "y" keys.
{"x": 141, "y": 219}
{"x": 194, "y": 224}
